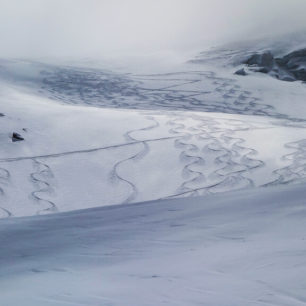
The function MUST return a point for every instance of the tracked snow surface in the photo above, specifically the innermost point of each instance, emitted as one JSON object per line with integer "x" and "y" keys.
{"x": 177, "y": 185}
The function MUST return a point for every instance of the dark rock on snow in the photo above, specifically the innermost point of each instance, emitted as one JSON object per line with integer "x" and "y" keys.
{"x": 17, "y": 137}
{"x": 241, "y": 72}
{"x": 291, "y": 67}
{"x": 265, "y": 60}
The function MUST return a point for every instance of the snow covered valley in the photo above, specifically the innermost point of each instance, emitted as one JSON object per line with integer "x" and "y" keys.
{"x": 184, "y": 187}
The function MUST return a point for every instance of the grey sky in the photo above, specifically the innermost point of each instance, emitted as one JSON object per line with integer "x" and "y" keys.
{"x": 101, "y": 27}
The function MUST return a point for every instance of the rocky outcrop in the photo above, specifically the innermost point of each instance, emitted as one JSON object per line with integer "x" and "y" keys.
{"x": 264, "y": 60}
{"x": 294, "y": 62}
{"x": 241, "y": 72}
{"x": 17, "y": 137}
{"x": 291, "y": 67}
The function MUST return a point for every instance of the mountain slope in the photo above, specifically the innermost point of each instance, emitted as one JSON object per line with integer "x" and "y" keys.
{"x": 245, "y": 248}
{"x": 95, "y": 137}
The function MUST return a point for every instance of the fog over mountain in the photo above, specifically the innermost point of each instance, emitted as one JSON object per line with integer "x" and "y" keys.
{"x": 101, "y": 27}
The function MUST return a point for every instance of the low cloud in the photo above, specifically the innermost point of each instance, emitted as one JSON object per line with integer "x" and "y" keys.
{"x": 102, "y": 27}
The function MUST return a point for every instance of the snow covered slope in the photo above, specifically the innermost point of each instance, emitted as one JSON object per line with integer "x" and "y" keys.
{"x": 179, "y": 187}
{"x": 244, "y": 248}
{"x": 95, "y": 137}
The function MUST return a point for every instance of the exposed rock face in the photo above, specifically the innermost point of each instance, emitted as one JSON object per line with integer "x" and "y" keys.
{"x": 241, "y": 72}
{"x": 295, "y": 63}
{"x": 264, "y": 60}
{"x": 17, "y": 137}
{"x": 293, "y": 60}
{"x": 291, "y": 67}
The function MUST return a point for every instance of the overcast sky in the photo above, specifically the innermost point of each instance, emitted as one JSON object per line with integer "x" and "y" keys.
{"x": 101, "y": 27}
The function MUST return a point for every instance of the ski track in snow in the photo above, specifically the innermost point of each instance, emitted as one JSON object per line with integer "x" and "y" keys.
{"x": 139, "y": 155}
{"x": 186, "y": 154}
{"x": 40, "y": 180}
{"x": 4, "y": 180}
{"x": 206, "y": 142}
{"x": 296, "y": 171}
{"x": 232, "y": 163}
{"x": 58, "y": 155}
{"x": 106, "y": 89}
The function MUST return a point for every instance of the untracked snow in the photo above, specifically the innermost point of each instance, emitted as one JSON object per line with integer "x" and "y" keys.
{"x": 242, "y": 248}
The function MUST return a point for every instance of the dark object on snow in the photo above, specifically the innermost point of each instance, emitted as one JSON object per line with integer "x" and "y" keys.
{"x": 263, "y": 70}
{"x": 293, "y": 60}
{"x": 291, "y": 67}
{"x": 17, "y": 137}
{"x": 1, "y": 115}
{"x": 241, "y": 72}
{"x": 264, "y": 60}
{"x": 295, "y": 63}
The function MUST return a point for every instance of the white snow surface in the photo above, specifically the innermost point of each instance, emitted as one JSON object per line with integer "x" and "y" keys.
{"x": 242, "y": 248}
{"x": 179, "y": 187}
{"x": 95, "y": 137}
